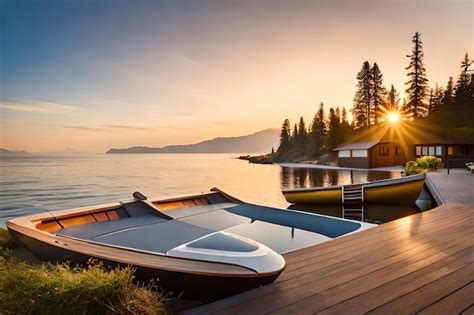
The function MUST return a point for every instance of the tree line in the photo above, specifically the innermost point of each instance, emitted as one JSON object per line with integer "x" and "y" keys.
{"x": 450, "y": 106}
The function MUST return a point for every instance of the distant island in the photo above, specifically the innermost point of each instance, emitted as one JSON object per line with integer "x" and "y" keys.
{"x": 5, "y": 151}
{"x": 258, "y": 142}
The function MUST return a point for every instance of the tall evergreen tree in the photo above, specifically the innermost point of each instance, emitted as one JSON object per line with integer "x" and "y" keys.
{"x": 345, "y": 126}
{"x": 294, "y": 137}
{"x": 392, "y": 101}
{"x": 361, "y": 110}
{"x": 334, "y": 137}
{"x": 285, "y": 137}
{"x": 448, "y": 96}
{"x": 435, "y": 99}
{"x": 430, "y": 100}
{"x": 463, "y": 93}
{"x": 317, "y": 133}
{"x": 302, "y": 141}
{"x": 417, "y": 83}
{"x": 378, "y": 93}
{"x": 438, "y": 98}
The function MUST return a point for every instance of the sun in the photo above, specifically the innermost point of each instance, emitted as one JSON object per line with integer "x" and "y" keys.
{"x": 393, "y": 117}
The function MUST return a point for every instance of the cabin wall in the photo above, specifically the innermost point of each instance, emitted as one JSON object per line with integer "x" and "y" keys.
{"x": 356, "y": 162}
{"x": 383, "y": 154}
{"x": 449, "y": 151}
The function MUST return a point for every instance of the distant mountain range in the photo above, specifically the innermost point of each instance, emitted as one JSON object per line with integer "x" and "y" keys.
{"x": 259, "y": 142}
{"x": 5, "y": 151}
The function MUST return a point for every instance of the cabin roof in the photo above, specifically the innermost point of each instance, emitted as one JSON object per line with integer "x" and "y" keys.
{"x": 362, "y": 145}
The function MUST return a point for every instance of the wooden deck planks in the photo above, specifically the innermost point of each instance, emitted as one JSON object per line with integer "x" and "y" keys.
{"x": 419, "y": 262}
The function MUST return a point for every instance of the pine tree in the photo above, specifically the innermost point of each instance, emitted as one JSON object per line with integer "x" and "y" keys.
{"x": 392, "y": 101}
{"x": 285, "y": 137}
{"x": 294, "y": 137}
{"x": 430, "y": 101}
{"x": 438, "y": 98}
{"x": 317, "y": 133}
{"x": 378, "y": 93}
{"x": 448, "y": 96}
{"x": 463, "y": 93}
{"x": 345, "y": 126}
{"x": 334, "y": 137}
{"x": 302, "y": 140}
{"x": 361, "y": 110}
{"x": 417, "y": 82}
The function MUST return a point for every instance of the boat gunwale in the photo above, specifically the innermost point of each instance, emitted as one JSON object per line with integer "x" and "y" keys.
{"x": 94, "y": 249}
{"x": 27, "y": 226}
{"x": 365, "y": 185}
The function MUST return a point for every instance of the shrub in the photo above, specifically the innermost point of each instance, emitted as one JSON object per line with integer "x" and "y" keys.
{"x": 422, "y": 164}
{"x": 62, "y": 289}
{"x": 412, "y": 168}
{"x": 428, "y": 162}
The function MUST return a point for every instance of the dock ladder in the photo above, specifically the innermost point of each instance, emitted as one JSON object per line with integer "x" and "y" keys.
{"x": 353, "y": 202}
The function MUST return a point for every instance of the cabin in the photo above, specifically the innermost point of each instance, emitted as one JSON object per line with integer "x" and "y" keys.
{"x": 388, "y": 145}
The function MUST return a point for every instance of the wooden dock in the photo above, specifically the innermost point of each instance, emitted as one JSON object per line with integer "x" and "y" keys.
{"x": 421, "y": 263}
{"x": 456, "y": 187}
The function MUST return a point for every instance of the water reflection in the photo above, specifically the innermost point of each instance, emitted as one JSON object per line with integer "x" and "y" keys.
{"x": 312, "y": 177}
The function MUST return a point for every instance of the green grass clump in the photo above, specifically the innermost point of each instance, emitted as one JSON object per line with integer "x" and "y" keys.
{"x": 63, "y": 289}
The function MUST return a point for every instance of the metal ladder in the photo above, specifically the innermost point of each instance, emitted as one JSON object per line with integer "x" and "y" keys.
{"x": 353, "y": 212}
{"x": 352, "y": 194}
{"x": 353, "y": 202}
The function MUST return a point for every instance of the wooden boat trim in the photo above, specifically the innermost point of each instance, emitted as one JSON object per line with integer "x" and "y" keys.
{"x": 297, "y": 190}
{"x": 394, "y": 181}
{"x": 378, "y": 183}
{"x": 26, "y": 226}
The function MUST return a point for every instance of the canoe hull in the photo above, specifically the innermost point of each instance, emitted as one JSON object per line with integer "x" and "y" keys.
{"x": 397, "y": 194}
{"x": 202, "y": 287}
{"x": 402, "y": 191}
{"x": 327, "y": 196}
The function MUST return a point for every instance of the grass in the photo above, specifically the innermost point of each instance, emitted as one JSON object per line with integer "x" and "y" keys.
{"x": 61, "y": 288}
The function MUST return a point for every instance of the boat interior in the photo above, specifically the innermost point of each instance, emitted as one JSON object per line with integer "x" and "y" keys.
{"x": 161, "y": 225}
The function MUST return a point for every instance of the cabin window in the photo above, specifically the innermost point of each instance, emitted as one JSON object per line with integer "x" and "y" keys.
{"x": 431, "y": 150}
{"x": 418, "y": 150}
{"x": 439, "y": 150}
{"x": 383, "y": 150}
{"x": 397, "y": 150}
{"x": 359, "y": 153}
{"x": 344, "y": 153}
{"x": 450, "y": 150}
{"x": 424, "y": 151}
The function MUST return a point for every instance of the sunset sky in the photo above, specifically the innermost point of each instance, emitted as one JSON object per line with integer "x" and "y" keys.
{"x": 90, "y": 75}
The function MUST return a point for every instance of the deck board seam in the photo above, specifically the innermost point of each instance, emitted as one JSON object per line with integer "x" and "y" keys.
{"x": 369, "y": 273}
{"x": 445, "y": 296}
{"x": 417, "y": 289}
{"x": 449, "y": 257}
{"x": 425, "y": 238}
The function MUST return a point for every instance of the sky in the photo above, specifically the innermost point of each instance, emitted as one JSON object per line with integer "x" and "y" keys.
{"x": 91, "y": 75}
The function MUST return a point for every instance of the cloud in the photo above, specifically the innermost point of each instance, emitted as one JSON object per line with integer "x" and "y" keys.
{"x": 126, "y": 127}
{"x": 103, "y": 128}
{"x": 41, "y": 108}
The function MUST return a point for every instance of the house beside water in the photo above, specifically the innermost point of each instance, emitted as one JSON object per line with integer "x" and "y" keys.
{"x": 390, "y": 145}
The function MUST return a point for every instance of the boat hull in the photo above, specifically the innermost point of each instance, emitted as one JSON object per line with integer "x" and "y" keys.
{"x": 400, "y": 191}
{"x": 202, "y": 287}
{"x": 327, "y": 196}
{"x": 397, "y": 194}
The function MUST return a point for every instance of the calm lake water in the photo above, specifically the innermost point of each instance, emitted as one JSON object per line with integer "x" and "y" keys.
{"x": 36, "y": 183}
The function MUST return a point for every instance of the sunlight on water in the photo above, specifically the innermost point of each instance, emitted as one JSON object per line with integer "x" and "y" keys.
{"x": 33, "y": 183}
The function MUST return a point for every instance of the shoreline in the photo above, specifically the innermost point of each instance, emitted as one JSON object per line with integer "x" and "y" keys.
{"x": 397, "y": 168}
